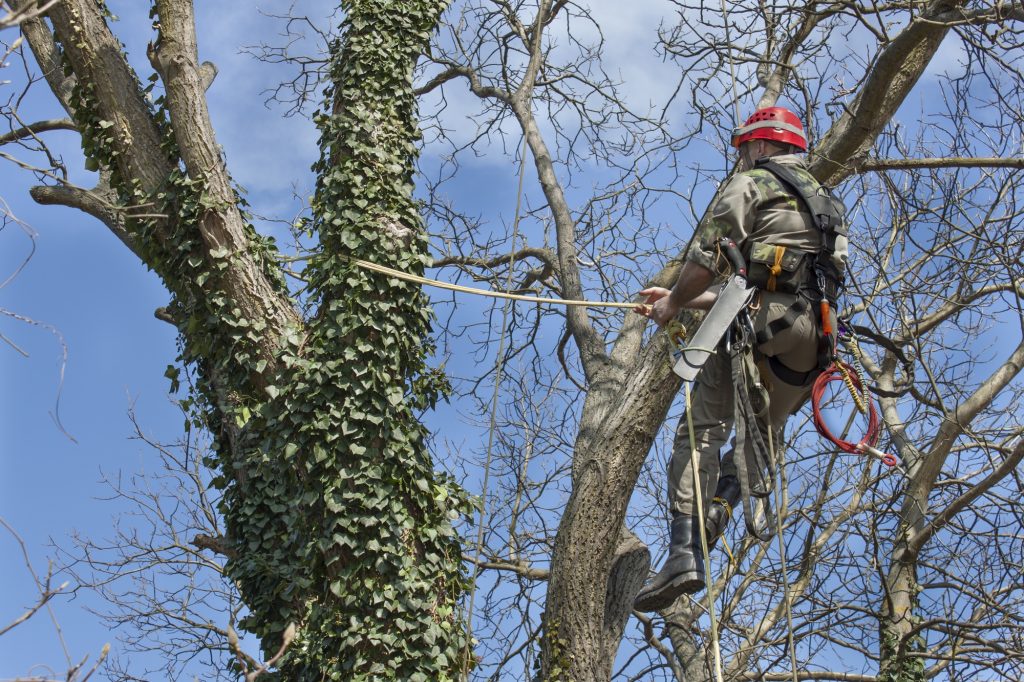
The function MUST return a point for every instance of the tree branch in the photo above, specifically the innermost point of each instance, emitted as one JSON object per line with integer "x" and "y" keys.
{"x": 958, "y": 304}
{"x": 47, "y": 54}
{"x": 916, "y": 500}
{"x": 868, "y": 165}
{"x": 588, "y": 341}
{"x": 522, "y": 568}
{"x": 454, "y": 71}
{"x": 38, "y": 127}
{"x": 890, "y": 80}
{"x": 24, "y": 12}
{"x": 97, "y": 202}
{"x": 222, "y": 226}
{"x": 218, "y": 545}
{"x": 918, "y": 539}
{"x": 544, "y": 255}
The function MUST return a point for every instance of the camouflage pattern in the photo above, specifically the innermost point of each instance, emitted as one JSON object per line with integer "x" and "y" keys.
{"x": 756, "y": 206}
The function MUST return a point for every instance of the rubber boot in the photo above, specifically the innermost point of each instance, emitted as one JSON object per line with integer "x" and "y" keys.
{"x": 683, "y": 572}
{"x": 727, "y": 496}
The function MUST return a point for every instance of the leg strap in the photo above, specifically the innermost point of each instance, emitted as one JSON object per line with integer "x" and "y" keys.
{"x": 791, "y": 376}
{"x": 798, "y": 308}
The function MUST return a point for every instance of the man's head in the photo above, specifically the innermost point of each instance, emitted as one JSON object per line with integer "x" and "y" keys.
{"x": 768, "y": 132}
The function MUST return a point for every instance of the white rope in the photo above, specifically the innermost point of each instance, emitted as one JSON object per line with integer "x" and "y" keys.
{"x": 417, "y": 279}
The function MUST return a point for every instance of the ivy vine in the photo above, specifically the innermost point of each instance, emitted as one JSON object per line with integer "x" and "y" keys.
{"x": 337, "y": 521}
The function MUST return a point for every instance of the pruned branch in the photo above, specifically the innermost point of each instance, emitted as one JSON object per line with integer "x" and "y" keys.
{"x": 217, "y": 545}
{"x": 98, "y": 202}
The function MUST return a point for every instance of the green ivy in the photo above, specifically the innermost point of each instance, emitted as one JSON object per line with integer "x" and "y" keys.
{"x": 897, "y": 664}
{"x": 384, "y": 560}
{"x": 336, "y": 518}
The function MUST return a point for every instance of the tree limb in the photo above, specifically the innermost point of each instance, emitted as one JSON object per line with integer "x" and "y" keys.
{"x": 218, "y": 545}
{"x": 890, "y": 80}
{"x": 222, "y": 226}
{"x": 868, "y": 165}
{"x": 98, "y": 202}
{"x": 544, "y": 255}
{"x": 923, "y": 481}
{"x": 47, "y": 54}
{"x": 956, "y": 305}
{"x": 522, "y": 568}
{"x": 918, "y": 539}
{"x": 38, "y": 127}
{"x": 24, "y": 12}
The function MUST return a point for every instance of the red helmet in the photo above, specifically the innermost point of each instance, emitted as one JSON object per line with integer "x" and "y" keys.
{"x": 777, "y": 124}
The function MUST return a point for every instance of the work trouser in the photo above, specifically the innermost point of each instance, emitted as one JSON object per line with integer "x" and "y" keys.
{"x": 712, "y": 402}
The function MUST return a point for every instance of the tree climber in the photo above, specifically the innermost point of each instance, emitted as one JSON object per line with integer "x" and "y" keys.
{"x": 796, "y": 264}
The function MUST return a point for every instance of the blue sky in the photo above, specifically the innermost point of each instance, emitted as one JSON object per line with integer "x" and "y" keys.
{"x": 85, "y": 284}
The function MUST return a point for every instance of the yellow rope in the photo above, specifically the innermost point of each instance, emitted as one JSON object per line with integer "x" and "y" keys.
{"x": 786, "y": 598}
{"x": 728, "y": 515}
{"x": 728, "y": 552}
{"x": 408, "y": 277}
{"x": 715, "y": 648}
{"x": 857, "y": 399}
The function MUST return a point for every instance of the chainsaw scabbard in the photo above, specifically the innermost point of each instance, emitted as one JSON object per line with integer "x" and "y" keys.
{"x": 733, "y": 298}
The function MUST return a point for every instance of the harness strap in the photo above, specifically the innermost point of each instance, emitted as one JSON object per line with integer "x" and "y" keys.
{"x": 826, "y": 347}
{"x": 791, "y": 376}
{"x": 753, "y": 461}
{"x": 795, "y": 310}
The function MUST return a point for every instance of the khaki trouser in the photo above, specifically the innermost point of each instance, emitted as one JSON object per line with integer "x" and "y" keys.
{"x": 712, "y": 403}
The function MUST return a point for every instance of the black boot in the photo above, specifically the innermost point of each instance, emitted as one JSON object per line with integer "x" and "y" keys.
{"x": 727, "y": 496}
{"x": 683, "y": 572}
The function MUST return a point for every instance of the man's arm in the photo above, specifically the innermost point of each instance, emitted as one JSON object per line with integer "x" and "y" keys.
{"x": 690, "y": 291}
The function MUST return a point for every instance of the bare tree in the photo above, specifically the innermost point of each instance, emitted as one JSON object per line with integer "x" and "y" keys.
{"x": 944, "y": 192}
{"x": 906, "y": 574}
{"x": 161, "y": 574}
{"x": 46, "y": 591}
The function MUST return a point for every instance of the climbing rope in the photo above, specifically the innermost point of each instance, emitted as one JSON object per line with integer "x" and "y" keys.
{"x": 416, "y": 279}
{"x": 499, "y": 366}
{"x": 715, "y": 646}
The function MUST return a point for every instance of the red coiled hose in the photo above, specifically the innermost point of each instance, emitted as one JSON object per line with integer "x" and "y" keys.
{"x": 835, "y": 372}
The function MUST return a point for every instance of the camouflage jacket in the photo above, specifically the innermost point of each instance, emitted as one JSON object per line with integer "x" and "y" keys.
{"x": 755, "y": 207}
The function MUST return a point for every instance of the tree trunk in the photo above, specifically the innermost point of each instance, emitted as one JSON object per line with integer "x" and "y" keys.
{"x": 580, "y": 614}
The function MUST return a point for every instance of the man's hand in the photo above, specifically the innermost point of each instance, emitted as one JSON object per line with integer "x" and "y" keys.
{"x": 658, "y": 307}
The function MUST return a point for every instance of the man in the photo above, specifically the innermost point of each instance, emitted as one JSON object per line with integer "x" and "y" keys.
{"x": 780, "y": 242}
